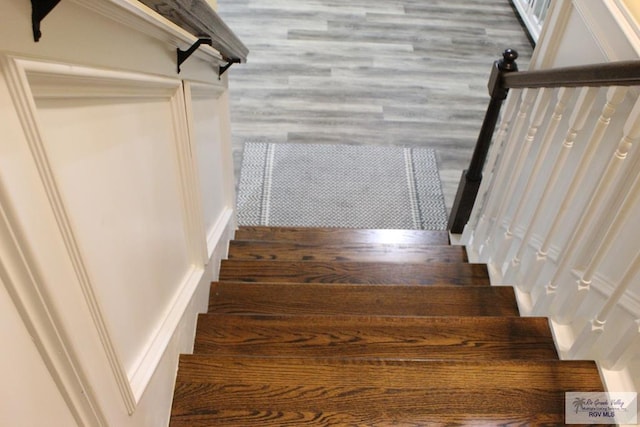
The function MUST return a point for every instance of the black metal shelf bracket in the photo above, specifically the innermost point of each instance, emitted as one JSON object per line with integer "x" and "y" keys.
{"x": 40, "y": 9}
{"x": 184, "y": 54}
{"x": 223, "y": 68}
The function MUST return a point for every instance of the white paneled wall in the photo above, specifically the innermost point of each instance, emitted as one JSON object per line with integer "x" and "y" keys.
{"x": 116, "y": 205}
{"x": 557, "y": 211}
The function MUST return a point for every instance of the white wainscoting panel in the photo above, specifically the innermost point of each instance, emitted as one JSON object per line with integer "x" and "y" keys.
{"x": 89, "y": 139}
{"x": 209, "y": 132}
{"x": 119, "y": 150}
{"x": 106, "y": 248}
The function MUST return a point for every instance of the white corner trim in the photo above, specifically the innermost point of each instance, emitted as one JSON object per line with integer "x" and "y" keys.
{"x": 146, "y": 366}
{"x": 188, "y": 178}
{"x": 218, "y": 231}
{"x": 25, "y": 108}
{"x": 592, "y": 15}
{"x": 148, "y": 363}
{"x": 551, "y": 34}
{"x": 627, "y": 22}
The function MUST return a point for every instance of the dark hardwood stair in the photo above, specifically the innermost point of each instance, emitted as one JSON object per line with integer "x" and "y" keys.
{"x": 336, "y": 327}
{"x": 262, "y": 250}
{"x": 339, "y": 236}
{"x": 376, "y": 337}
{"x": 354, "y": 299}
{"x": 294, "y": 391}
{"x": 355, "y": 272}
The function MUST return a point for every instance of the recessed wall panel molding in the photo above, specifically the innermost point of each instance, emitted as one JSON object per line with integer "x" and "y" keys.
{"x": 23, "y": 278}
{"x": 115, "y": 156}
{"x": 208, "y": 128}
{"x": 16, "y": 72}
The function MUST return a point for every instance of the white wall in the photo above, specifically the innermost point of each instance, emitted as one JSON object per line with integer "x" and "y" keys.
{"x": 24, "y": 373}
{"x": 116, "y": 205}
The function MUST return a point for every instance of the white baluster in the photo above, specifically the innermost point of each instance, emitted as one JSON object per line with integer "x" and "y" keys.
{"x": 537, "y": 115}
{"x": 577, "y": 121}
{"x": 627, "y": 347}
{"x": 593, "y": 330}
{"x": 477, "y": 223}
{"x": 603, "y": 192}
{"x": 529, "y": 278}
{"x": 501, "y": 181}
{"x": 613, "y": 230}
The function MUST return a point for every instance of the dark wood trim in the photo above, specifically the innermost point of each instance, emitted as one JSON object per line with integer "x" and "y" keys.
{"x": 623, "y": 73}
{"x": 198, "y": 18}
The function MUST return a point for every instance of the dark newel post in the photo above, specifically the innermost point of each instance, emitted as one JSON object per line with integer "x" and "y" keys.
{"x": 471, "y": 177}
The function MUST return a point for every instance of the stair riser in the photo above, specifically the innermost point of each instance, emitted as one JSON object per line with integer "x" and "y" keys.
{"x": 355, "y": 272}
{"x": 278, "y": 251}
{"x": 365, "y": 300}
{"x": 374, "y": 337}
{"x": 342, "y": 236}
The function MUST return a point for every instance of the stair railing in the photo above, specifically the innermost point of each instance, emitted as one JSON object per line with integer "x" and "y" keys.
{"x": 503, "y": 78}
{"x": 556, "y": 212}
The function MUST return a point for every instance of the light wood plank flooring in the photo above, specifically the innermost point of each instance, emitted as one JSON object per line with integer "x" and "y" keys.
{"x": 397, "y": 72}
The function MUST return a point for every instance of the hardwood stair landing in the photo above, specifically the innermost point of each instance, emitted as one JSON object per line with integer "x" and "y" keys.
{"x": 325, "y": 327}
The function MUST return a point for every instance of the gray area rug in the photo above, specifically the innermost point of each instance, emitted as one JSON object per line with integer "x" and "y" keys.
{"x": 348, "y": 186}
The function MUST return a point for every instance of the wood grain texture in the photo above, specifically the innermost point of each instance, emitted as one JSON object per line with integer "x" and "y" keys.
{"x": 363, "y": 252}
{"x": 342, "y": 236}
{"x": 475, "y": 338}
{"x": 304, "y": 352}
{"x": 368, "y": 300}
{"x": 406, "y": 72}
{"x": 365, "y": 392}
{"x": 436, "y": 274}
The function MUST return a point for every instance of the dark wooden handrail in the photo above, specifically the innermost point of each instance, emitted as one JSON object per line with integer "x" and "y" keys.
{"x": 199, "y": 19}
{"x": 623, "y": 73}
{"x": 504, "y": 77}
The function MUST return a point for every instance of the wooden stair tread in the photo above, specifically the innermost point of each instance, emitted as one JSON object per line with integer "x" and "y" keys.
{"x": 353, "y": 299}
{"x": 293, "y": 251}
{"x": 335, "y": 327}
{"x": 376, "y": 337}
{"x": 355, "y": 272}
{"x": 342, "y": 235}
{"x": 214, "y": 389}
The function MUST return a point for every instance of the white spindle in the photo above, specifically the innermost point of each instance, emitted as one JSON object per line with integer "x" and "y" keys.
{"x": 604, "y": 188}
{"x": 622, "y": 216}
{"x": 534, "y": 177}
{"x": 501, "y": 180}
{"x": 627, "y": 347}
{"x": 577, "y": 121}
{"x": 594, "y": 329}
{"x": 615, "y": 96}
{"x": 477, "y": 223}
{"x": 535, "y": 120}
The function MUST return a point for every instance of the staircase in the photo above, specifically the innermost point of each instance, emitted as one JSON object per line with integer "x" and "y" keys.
{"x": 367, "y": 327}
